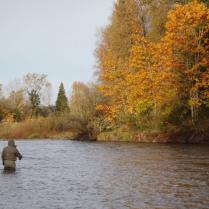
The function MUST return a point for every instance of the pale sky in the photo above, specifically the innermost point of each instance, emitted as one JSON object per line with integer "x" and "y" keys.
{"x": 54, "y": 37}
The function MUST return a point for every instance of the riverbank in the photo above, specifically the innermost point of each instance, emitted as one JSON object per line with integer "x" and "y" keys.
{"x": 49, "y": 136}
{"x": 52, "y": 128}
{"x": 40, "y": 128}
{"x": 174, "y": 136}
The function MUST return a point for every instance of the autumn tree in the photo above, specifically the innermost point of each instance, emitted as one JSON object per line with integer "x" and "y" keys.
{"x": 187, "y": 32}
{"x": 157, "y": 11}
{"x": 206, "y": 2}
{"x": 16, "y": 98}
{"x": 114, "y": 51}
{"x": 17, "y": 103}
{"x": 162, "y": 71}
{"x": 85, "y": 118}
{"x": 153, "y": 16}
{"x": 62, "y": 101}
{"x": 35, "y": 85}
{"x": 117, "y": 36}
{"x": 34, "y": 99}
{"x": 150, "y": 82}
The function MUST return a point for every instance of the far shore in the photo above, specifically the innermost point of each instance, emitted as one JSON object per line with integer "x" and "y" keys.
{"x": 177, "y": 137}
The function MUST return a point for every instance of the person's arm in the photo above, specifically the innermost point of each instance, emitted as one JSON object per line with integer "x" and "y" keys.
{"x": 18, "y": 154}
{"x": 2, "y": 157}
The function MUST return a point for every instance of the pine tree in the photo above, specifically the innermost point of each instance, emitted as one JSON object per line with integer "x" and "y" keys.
{"x": 62, "y": 101}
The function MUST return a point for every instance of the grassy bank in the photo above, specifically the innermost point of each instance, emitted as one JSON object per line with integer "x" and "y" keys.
{"x": 51, "y": 127}
{"x": 178, "y": 135}
{"x": 55, "y": 127}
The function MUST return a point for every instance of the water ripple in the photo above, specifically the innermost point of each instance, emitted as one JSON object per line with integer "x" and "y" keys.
{"x": 66, "y": 174}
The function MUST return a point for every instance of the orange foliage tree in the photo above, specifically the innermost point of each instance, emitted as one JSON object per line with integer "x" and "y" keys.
{"x": 151, "y": 82}
{"x": 155, "y": 77}
{"x": 187, "y": 33}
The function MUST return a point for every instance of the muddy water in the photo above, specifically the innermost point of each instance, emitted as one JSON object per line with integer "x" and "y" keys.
{"x": 66, "y": 174}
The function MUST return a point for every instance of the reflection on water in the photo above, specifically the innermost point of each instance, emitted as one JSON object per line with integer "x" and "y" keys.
{"x": 7, "y": 172}
{"x": 65, "y": 174}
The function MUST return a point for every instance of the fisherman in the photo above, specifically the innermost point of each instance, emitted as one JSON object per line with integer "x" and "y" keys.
{"x": 9, "y": 155}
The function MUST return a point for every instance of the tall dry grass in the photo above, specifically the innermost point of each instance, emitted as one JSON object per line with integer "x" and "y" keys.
{"x": 50, "y": 127}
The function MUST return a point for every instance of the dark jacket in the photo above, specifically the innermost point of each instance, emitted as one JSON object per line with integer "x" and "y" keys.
{"x": 10, "y": 152}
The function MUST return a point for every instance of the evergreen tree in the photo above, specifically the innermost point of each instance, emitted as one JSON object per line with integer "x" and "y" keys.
{"x": 61, "y": 102}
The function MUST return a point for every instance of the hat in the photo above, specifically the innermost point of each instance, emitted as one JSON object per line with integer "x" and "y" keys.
{"x": 11, "y": 142}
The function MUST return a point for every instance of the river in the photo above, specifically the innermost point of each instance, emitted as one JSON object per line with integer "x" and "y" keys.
{"x": 88, "y": 175}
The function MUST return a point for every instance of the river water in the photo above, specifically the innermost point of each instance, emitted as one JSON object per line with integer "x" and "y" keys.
{"x": 67, "y": 174}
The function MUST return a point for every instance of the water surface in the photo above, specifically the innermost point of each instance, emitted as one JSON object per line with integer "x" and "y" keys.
{"x": 66, "y": 174}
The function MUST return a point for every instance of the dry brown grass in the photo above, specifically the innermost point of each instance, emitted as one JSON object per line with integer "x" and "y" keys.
{"x": 50, "y": 127}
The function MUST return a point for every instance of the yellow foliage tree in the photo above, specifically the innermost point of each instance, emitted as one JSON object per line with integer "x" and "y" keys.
{"x": 187, "y": 33}
{"x": 151, "y": 82}
{"x": 113, "y": 75}
{"x": 154, "y": 76}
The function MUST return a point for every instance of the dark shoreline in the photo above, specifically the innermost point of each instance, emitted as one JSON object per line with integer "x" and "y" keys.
{"x": 178, "y": 137}
{"x": 173, "y": 137}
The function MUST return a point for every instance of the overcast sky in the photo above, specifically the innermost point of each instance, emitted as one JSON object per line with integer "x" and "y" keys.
{"x": 54, "y": 37}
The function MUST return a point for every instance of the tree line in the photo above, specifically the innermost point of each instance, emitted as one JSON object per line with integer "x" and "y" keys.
{"x": 153, "y": 75}
{"x": 26, "y": 109}
{"x": 153, "y": 64}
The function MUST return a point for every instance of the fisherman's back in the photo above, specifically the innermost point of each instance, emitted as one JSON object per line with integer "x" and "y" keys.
{"x": 9, "y": 156}
{"x": 10, "y": 153}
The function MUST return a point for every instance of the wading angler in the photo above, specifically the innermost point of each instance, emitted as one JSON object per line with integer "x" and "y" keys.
{"x": 9, "y": 156}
